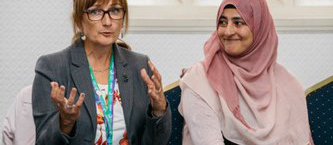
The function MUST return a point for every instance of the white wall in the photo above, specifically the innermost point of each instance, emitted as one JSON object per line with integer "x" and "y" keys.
{"x": 29, "y": 29}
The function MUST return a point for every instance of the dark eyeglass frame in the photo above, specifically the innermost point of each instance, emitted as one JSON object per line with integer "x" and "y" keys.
{"x": 104, "y": 12}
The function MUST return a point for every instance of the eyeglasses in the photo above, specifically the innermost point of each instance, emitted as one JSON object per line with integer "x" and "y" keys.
{"x": 115, "y": 13}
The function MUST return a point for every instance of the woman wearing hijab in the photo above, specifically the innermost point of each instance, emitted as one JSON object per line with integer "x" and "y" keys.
{"x": 239, "y": 94}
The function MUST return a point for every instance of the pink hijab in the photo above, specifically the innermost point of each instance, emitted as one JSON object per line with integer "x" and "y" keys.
{"x": 255, "y": 76}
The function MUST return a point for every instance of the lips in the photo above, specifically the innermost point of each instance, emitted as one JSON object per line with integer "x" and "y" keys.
{"x": 231, "y": 39}
{"x": 107, "y": 34}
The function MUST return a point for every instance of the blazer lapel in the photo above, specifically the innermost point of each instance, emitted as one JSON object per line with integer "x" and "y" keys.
{"x": 125, "y": 83}
{"x": 82, "y": 80}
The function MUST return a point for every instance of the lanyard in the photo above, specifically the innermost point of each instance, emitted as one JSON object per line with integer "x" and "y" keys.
{"x": 100, "y": 97}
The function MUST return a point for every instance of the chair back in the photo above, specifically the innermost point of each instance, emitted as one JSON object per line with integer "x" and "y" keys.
{"x": 173, "y": 93}
{"x": 320, "y": 109}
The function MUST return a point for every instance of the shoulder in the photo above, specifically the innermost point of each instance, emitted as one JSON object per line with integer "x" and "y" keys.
{"x": 195, "y": 77}
{"x": 25, "y": 94}
{"x": 131, "y": 55}
{"x": 59, "y": 57}
{"x": 54, "y": 63}
{"x": 195, "y": 80}
{"x": 288, "y": 80}
{"x": 135, "y": 60}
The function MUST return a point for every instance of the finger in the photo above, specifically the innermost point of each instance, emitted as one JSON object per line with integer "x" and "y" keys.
{"x": 53, "y": 95}
{"x": 150, "y": 84}
{"x": 157, "y": 84}
{"x": 146, "y": 78}
{"x": 80, "y": 101}
{"x": 61, "y": 94}
{"x": 72, "y": 96}
{"x": 155, "y": 71}
{"x": 63, "y": 104}
{"x": 56, "y": 91}
{"x": 156, "y": 78}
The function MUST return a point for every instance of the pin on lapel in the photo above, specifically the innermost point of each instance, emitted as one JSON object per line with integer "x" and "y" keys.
{"x": 125, "y": 78}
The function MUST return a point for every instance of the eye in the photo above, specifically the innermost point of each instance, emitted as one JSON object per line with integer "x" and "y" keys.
{"x": 115, "y": 10}
{"x": 239, "y": 23}
{"x": 95, "y": 12}
{"x": 223, "y": 23}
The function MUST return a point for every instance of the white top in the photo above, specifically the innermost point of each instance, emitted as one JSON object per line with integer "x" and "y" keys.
{"x": 119, "y": 126}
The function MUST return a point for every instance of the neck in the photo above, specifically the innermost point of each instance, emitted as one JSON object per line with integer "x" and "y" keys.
{"x": 98, "y": 56}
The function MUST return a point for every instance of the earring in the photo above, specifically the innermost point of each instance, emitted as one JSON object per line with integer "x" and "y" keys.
{"x": 82, "y": 36}
{"x": 122, "y": 33}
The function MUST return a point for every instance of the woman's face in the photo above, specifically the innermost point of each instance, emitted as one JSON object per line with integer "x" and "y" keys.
{"x": 234, "y": 33}
{"x": 100, "y": 28}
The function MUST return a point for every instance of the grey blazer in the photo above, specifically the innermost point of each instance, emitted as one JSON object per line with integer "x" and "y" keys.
{"x": 70, "y": 68}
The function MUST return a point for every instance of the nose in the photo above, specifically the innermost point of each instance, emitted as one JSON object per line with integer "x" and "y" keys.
{"x": 229, "y": 30}
{"x": 106, "y": 20}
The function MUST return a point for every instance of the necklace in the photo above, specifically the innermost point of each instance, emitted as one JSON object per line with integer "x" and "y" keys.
{"x": 98, "y": 71}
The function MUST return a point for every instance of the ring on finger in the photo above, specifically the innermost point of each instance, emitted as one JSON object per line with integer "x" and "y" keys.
{"x": 69, "y": 107}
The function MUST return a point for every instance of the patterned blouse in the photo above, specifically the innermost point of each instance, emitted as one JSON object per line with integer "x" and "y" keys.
{"x": 119, "y": 127}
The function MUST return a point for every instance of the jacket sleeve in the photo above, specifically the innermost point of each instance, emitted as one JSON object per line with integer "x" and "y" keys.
{"x": 158, "y": 129}
{"x": 201, "y": 122}
{"x": 45, "y": 112}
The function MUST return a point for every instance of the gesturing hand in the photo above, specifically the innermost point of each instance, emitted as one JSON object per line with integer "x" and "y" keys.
{"x": 155, "y": 90}
{"x": 69, "y": 111}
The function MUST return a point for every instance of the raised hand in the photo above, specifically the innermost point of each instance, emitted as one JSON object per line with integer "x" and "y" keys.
{"x": 69, "y": 111}
{"x": 155, "y": 90}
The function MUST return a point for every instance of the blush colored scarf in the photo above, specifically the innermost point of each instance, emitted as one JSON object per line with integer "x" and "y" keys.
{"x": 270, "y": 92}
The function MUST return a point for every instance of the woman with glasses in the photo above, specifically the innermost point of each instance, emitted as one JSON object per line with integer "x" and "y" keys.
{"x": 239, "y": 94}
{"x": 96, "y": 91}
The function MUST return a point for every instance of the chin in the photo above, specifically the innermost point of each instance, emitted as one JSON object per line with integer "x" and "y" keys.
{"x": 108, "y": 42}
{"x": 232, "y": 51}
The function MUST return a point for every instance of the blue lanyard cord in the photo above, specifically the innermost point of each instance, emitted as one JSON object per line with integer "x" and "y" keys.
{"x": 101, "y": 99}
